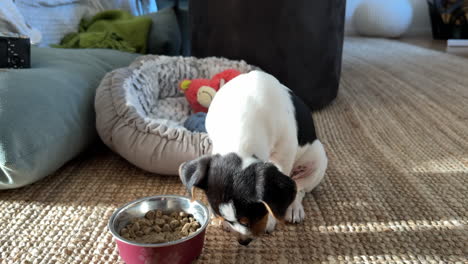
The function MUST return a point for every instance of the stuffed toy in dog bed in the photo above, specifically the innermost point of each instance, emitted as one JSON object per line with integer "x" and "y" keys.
{"x": 140, "y": 110}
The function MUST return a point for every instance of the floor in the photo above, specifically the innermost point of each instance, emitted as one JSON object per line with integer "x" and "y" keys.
{"x": 439, "y": 45}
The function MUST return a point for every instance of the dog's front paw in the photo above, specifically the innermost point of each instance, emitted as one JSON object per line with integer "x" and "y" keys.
{"x": 295, "y": 213}
{"x": 226, "y": 227}
{"x": 216, "y": 221}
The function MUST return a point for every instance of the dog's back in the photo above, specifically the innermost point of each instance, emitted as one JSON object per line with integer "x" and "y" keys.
{"x": 250, "y": 114}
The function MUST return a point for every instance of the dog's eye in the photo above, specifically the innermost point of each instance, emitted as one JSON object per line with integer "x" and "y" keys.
{"x": 244, "y": 221}
{"x": 244, "y": 225}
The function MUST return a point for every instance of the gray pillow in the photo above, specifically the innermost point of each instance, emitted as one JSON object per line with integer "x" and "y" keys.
{"x": 181, "y": 10}
{"x": 47, "y": 112}
{"x": 164, "y": 37}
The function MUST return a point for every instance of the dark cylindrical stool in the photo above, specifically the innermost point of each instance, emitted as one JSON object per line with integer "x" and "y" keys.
{"x": 298, "y": 41}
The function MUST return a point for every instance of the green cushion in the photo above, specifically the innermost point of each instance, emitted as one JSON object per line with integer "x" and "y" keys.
{"x": 47, "y": 112}
{"x": 164, "y": 36}
{"x": 110, "y": 29}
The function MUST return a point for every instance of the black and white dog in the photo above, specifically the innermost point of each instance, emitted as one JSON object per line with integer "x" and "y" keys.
{"x": 265, "y": 156}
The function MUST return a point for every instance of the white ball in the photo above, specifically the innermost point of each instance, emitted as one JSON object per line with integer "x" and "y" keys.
{"x": 383, "y": 18}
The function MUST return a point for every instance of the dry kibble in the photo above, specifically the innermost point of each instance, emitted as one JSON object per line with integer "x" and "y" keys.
{"x": 158, "y": 227}
{"x": 166, "y": 228}
{"x": 166, "y": 218}
{"x": 186, "y": 227}
{"x": 174, "y": 223}
{"x": 147, "y": 230}
{"x": 159, "y": 239}
{"x": 160, "y": 222}
{"x": 185, "y": 232}
{"x": 144, "y": 222}
{"x": 150, "y": 215}
{"x": 169, "y": 237}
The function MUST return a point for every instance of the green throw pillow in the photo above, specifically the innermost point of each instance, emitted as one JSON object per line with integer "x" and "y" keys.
{"x": 47, "y": 112}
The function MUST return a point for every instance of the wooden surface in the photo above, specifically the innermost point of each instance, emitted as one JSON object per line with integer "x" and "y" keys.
{"x": 439, "y": 45}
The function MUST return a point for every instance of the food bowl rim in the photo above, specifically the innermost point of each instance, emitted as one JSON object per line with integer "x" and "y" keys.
{"x": 175, "y": 242}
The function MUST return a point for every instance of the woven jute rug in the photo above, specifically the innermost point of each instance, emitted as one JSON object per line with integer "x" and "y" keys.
{"x": 396, "y": 189}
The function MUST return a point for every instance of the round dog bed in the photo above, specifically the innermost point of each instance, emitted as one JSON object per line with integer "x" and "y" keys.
{"x": 140, "y": 111}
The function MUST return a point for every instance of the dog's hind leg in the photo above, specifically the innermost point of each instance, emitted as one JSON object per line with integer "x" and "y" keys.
{"x": 309, "y": 170}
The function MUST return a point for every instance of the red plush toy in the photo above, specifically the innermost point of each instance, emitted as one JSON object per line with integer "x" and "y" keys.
{"x": 200, "y": 92}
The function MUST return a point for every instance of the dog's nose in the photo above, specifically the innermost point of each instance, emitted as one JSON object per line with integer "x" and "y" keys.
{"x": 245, "y": 241}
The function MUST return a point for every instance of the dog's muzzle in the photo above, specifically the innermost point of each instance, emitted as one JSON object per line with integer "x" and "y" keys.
{"x": 244, "y": 241}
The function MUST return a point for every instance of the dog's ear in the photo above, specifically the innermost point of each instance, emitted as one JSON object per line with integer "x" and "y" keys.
{"x": 275, "y": 190}
{"x": 194, "y": 173}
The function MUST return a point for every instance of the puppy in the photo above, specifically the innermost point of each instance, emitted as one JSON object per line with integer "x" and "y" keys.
{"x": 265, "y": 156}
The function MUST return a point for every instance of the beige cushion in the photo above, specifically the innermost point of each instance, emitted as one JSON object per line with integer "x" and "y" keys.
{"x": 140, "y": 111}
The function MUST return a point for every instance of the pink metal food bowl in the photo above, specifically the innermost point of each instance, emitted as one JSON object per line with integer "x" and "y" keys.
{"x": 184, "y": 250}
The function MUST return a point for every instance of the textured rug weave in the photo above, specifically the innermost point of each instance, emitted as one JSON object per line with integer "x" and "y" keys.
{"x": 396, "y": 190}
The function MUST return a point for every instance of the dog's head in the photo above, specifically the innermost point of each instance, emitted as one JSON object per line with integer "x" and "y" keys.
{"x": 242, "y": 192}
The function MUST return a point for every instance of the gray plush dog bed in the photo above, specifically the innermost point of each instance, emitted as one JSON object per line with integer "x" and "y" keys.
{"x": 140, "y": 110}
